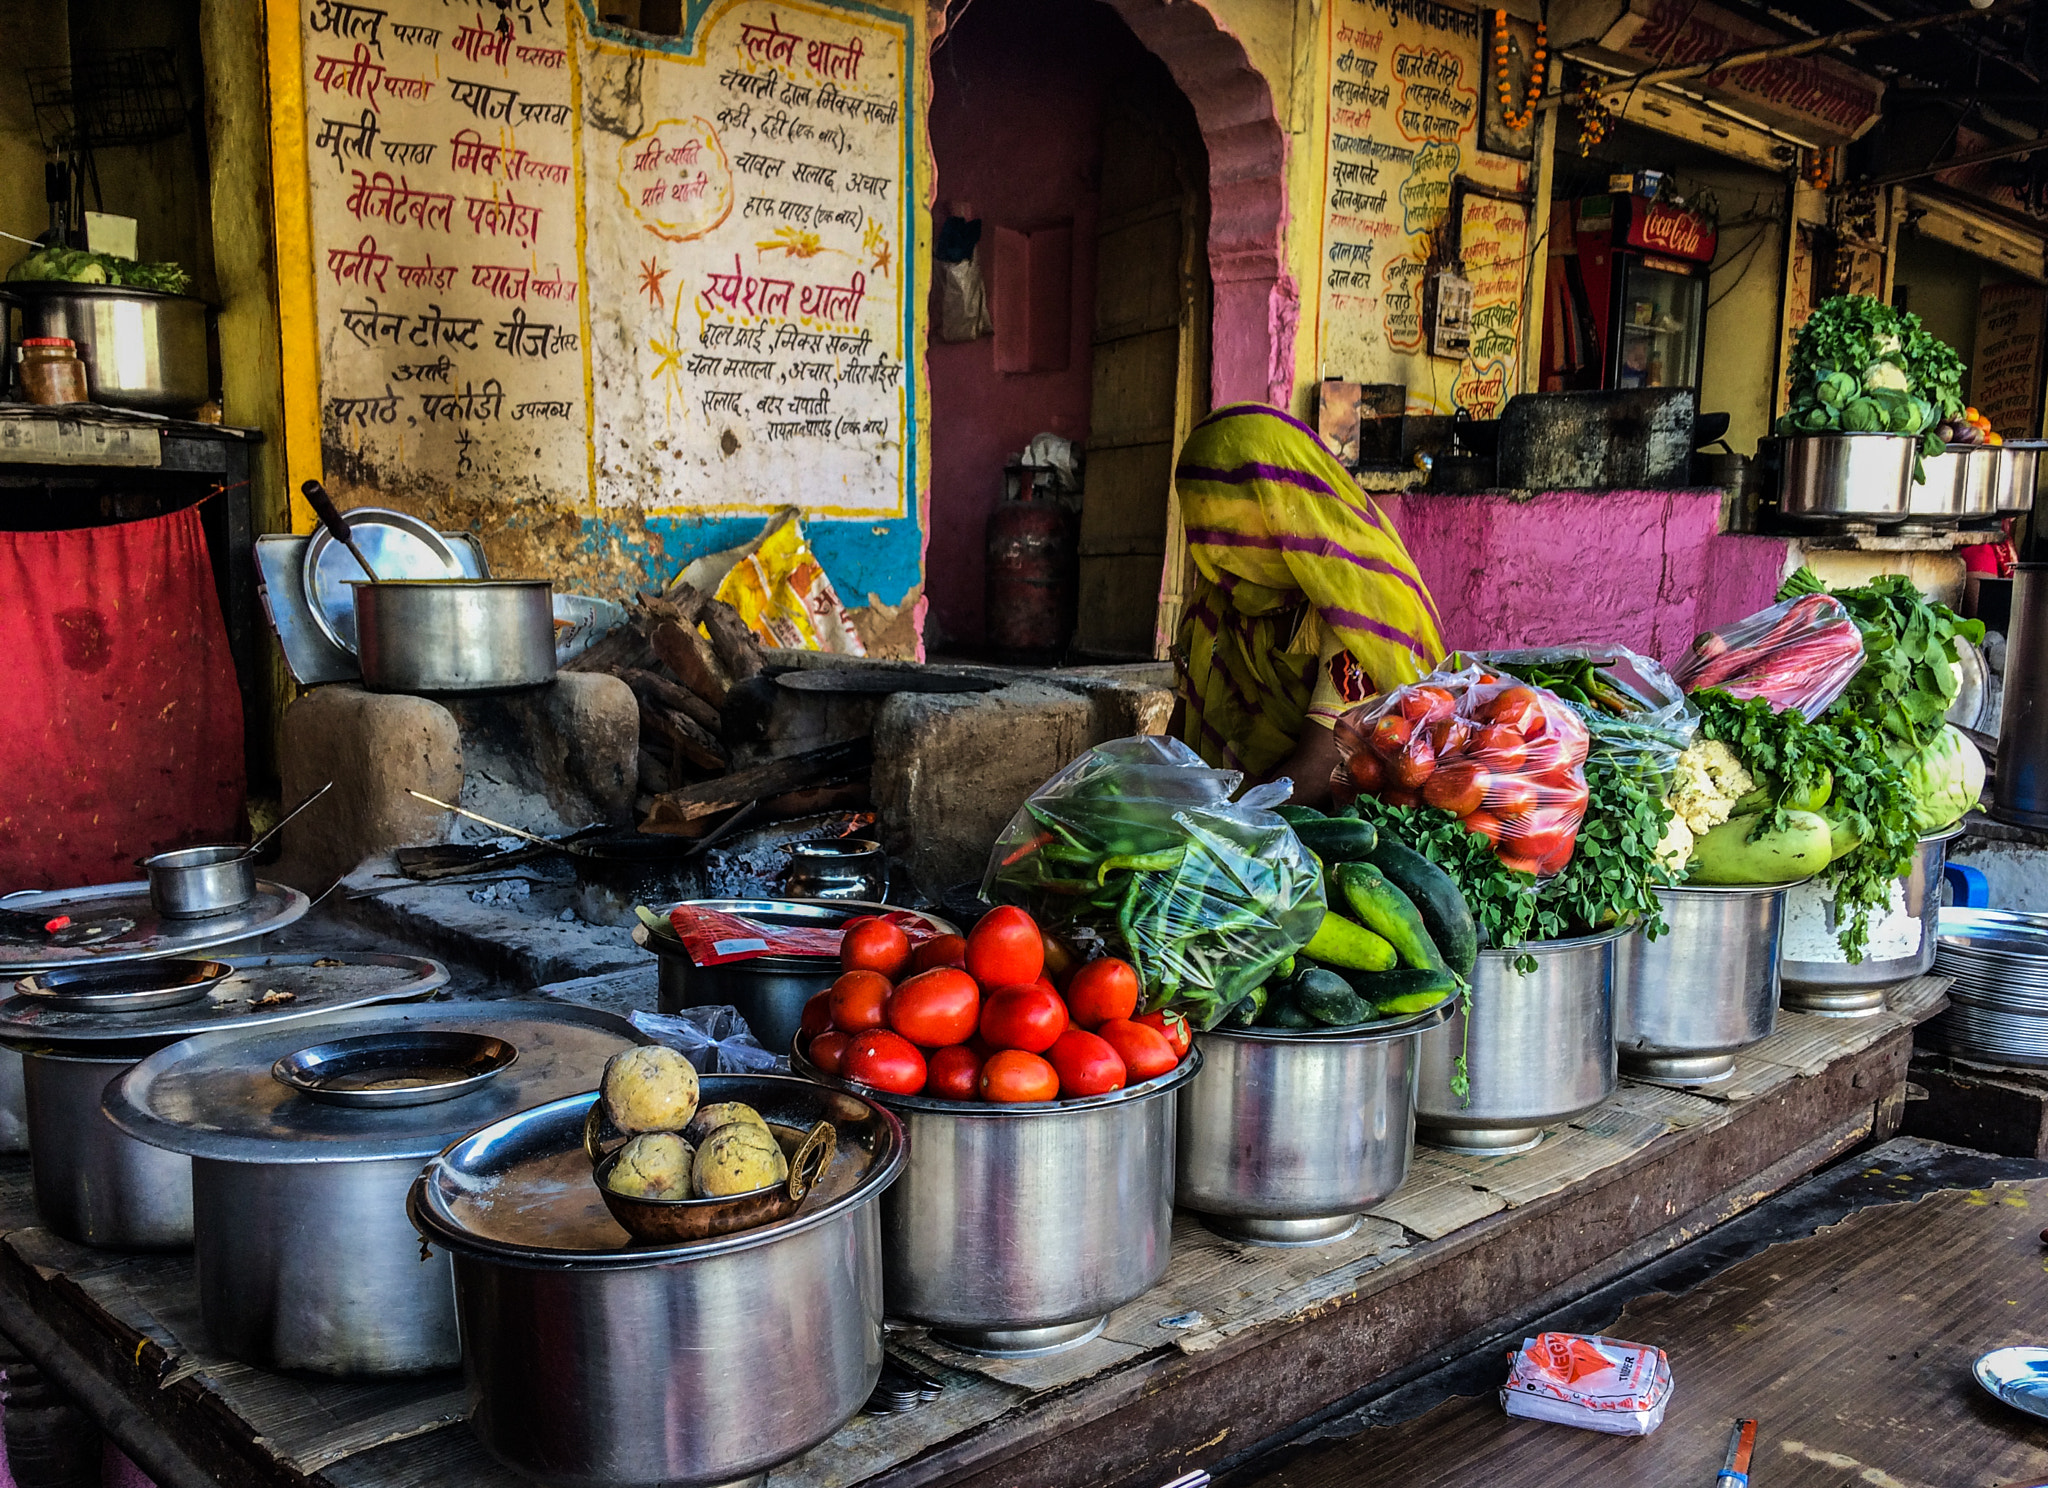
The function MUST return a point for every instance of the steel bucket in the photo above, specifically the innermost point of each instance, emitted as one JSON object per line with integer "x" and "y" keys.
{"x": 455, "y": 635}
{"x": 1825, "y": 476}
{"x": 1836, "y": 989}
{"x": 1017, "y": 1230}
{"x": 93, "y": 1182}
{"x": 1686, "y": 1001}
{"x": 1539, "y": 1048}
{"x": 1285, "y": 1139}
{"x": 2019, "y": 793}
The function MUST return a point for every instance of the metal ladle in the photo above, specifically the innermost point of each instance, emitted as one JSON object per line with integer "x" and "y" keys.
{"x": 336, "y": 524}
{"x": 264, "y": 841}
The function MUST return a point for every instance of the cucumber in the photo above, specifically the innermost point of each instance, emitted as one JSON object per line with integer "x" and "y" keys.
{"x": 1444, "y": 912}
{"x": 1281, "y": 1012}
{"x": 1298, "y": 814}
{"x": 1390, "y": 914}
{"x": 1248, "y": 1008}
{"x": 1408, "y": 990}
{"x": 1328, "y": 998}
{"x": 1336, "y": 841}
{"x": 1348, "y": 945}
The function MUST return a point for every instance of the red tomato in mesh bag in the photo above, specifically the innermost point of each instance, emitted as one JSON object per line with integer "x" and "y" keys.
{"x": 1459, "y": 788}
{"x": 1425, "y": 704}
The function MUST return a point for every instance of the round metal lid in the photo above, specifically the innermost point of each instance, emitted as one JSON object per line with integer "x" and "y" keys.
{"x": 216, "y": 1097}
{"x": 135, "y": 931}
{"x": 520, "y": 1190}
{"x": 260, "y": 990}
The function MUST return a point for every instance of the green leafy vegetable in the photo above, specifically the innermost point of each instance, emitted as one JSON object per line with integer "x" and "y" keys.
{"x": 79, "y": 266}
{"x": 1860, "y": 366}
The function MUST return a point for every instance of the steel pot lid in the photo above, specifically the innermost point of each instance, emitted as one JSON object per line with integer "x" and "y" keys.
{"x": 520, "y": 1190}
{"x": 399, "y": 546}
{"x": 147, "y": 934}
{"x": 306, "y": 985}
{"x": 215, "y": 1097}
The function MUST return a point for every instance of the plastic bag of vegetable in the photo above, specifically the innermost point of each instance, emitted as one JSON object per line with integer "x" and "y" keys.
{"x": 1799, "y": 654}
{"x": 1639, "y": 717}
{"x": 1138, "y": 839}
{"x": 1507, "y": 759}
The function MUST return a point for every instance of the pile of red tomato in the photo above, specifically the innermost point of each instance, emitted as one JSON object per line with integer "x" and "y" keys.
{"x": 1509, "y": 761}
{"x": 979, "y": 1018}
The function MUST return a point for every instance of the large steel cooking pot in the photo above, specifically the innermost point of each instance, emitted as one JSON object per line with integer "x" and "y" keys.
{"x": 93, "y": 1182}
{"x": 1840, "y": 989}
{"x": 1686, "y": 1001}
{"x": 1286, "y": 1138}
{"x": 1018, "y": 1229}
{"x": 305, "y": 1257}
{"x": 142, "y": 348}
{"x": 769, "y": 991}
{"x": 455, "y": 635}
{"x": 1837, "y": 475}
{"x": 2018, "y": 467}
{"x": 594, "y": 1361}
{"x": 1539, "y": 1048}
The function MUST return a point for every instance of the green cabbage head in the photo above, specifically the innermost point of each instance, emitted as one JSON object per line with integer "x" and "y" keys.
{"x": 1947, "y": 777}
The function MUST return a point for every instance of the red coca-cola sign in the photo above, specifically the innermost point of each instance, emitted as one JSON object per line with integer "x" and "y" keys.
{"x": 1659, "y": 228}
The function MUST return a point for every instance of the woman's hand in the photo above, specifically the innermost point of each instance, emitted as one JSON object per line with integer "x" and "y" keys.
{"x": 1309, "y": 767}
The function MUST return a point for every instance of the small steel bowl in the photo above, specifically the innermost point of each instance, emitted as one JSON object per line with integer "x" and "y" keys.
{"x": 195, "y": 883}
{"x": 409, "y": 1067}
{"x": 132, "y": 988}
{"x": 674, "y": 1221}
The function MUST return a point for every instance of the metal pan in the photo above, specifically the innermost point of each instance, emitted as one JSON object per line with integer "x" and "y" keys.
{"x": 124, "y": 989}
{"x": 455, "y": 635}
{"x": 399, "y": 546}
{"x": 408, "y": 1067}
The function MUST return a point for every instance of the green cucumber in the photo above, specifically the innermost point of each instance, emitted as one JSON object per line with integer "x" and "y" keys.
{"x": 1294, "y": 815}
{"x": 1408, "y": 990}
{"x": 1327, "y": 997}
{"x": 1337, "y": 841}
{"x": 1281, "y": 1012}
{"x": 1248, "y": 1008}
{"x": 1390, "y": 914}
{"x": 1349, "y": 946}
{"x": 1445, "y": 913}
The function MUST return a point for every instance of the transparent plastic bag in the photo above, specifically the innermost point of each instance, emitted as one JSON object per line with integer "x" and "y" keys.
{"x": 716, "y": 1040}
{"x": 1638, "y": 716}
{"x": 1506, "y": 758}
{"x": 1801, "y": 653}
{"x": 1140, "y": 841}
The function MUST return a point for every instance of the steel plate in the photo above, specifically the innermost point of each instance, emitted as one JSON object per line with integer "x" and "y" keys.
{"x": 151, "y": 936}
{"x": 134, "y": 986}
{"x": 398, "y": 547}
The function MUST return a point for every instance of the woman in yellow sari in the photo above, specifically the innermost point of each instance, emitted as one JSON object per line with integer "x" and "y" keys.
{"x": 1307, "y": 601}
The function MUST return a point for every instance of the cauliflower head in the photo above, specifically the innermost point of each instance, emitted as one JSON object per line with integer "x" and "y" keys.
{"x": 1705, "y": 786}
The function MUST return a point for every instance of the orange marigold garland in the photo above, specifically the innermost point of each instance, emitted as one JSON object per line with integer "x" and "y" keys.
{"x": 1537, "y": 65}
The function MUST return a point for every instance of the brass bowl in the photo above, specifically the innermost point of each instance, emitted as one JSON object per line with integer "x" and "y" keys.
{"x": 674, "y": 1221}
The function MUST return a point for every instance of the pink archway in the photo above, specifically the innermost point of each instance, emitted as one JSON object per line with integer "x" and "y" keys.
{"x": 1257, "y": 304}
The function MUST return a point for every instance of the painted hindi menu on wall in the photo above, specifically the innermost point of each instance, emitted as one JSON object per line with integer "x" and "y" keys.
{"x": 598, "y": 266}
{"x": 1402, "y": 126}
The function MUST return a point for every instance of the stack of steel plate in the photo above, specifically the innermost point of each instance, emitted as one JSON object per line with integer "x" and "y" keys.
{"x": 1998, "y": 1006}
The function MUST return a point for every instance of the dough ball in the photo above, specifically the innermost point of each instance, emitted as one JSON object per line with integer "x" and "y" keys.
{"x": 654, "y": 1165}
{"x": 738, "y": 1159}
{"x": 650, "y": 1089}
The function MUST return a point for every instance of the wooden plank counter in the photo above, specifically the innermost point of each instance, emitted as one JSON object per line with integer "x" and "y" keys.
{"x": 1235, "y": 1344}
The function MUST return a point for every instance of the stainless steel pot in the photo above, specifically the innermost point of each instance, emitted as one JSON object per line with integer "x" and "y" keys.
{"x": 769, "y": 991}
{"x": 1835, "y": 475}
{"x": 1686, "y": 1001}
{"x": 2019, "y": 792}
{"x": 94, "y": 1183}
{"x": 683, "y": 1365}
{"x": 142, "y": 349}
{"x": 455, "y": 635}
{"x": 1017, "y": 1230}
{"x": 838, "y": 868}
{"x": 1837, "y": 989}
{"x": 1286, "y": 1138}
{"x": 1939, "y": 497}
{"x": 195, "y": 883}
{"x": 1539, "y": 1048}
{"x": 13, "y": 1103}
{"x": 2018, "y": 466}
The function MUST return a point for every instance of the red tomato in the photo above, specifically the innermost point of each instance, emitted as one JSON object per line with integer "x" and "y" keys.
{"x": 1414, "y": 765}
{"x": 1102, "y": 990}
{"x": 1394, "y": 796}
{"x": 953, "y": 1074}
{"x": 828, "y": 1051}
{"x": 1457, "y": 788}
{"x": 1059, "y": 958}
{"x": 1485, "y": 823}
{"x": 1390, "y": 736}
{"x": 869, "y": 944}
{"x": 1425, "y": 705}
{"x": 1027, "y": 1018}
{"x": 817, "y": 1014}
{"x": 1145, "y": 1052}
{"x": 1449, "y": 736}
{"x": 1509, "y": 795}
{"x": 1012, "y": 1075}
{"x": 886, "y": 1061}
{"x": 1499, "y": 748}
{"x": 1086, "y": 1064}
{"x": 940, "y": 950}
{"x": 1367, "y": 771}
{"x": 1179, "y": 1034}
{"x": 857, "y": 999}
{"x": 935, "y": 1008}
{"x": 1005, "y": 949}
{"x": 1519, "y": 708}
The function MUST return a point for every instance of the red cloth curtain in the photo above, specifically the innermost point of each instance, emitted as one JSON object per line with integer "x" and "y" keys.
{"x": 122, "y": 733}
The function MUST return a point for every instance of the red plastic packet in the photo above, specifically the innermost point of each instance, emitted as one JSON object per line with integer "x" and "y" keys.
{"x": 713, "y": 937}
{"x": 1506, "y": 758}
{"x": 1801, "y": 653}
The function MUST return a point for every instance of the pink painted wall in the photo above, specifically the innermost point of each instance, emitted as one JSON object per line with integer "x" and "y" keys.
{"x": 1016, "y": 125}
{"x": 1646, "y": 569}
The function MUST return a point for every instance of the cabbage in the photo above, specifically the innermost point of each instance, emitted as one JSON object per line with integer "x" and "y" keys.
{"x": 1946, "y": 778}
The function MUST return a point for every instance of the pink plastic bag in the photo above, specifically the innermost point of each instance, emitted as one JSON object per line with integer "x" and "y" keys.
{"x": 1801, "y": 653}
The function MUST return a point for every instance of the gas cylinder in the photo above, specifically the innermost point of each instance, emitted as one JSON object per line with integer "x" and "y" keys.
{"x": 1032, "y": 575}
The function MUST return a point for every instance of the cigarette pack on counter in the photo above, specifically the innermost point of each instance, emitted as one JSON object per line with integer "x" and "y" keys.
{"x": 1601, "y": 1384}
